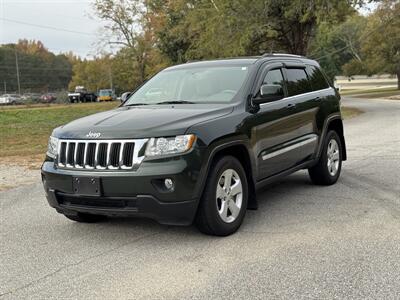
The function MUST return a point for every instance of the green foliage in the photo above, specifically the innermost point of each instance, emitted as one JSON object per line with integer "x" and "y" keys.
{"x": 354, "y": 67}
{"x": 223, "y": 28}
{"x": 337, "y": 45}
{"x": 93, "y": 74}
{"x": 39, "y": 69}
{"x": 381, "y": 41}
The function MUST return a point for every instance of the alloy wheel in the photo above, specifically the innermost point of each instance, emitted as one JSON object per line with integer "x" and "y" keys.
{"x": 229, "y": 196}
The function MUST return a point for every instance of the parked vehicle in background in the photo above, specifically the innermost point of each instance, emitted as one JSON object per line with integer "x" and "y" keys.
{"x": 11, "y": 99}
{"x": 81, "y": 95}
{"x": 30, "y": 97}
{"x": 106, "y": 95}
{"x": 48, "y": 98}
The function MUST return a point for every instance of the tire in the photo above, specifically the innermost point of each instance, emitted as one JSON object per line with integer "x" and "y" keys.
{"x": 211, "y": 216}
{"x": 329, "y": 166}
{"x": 86, "y": 218}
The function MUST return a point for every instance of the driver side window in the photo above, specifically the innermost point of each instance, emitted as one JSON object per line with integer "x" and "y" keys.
{"x": 273, "y": 77}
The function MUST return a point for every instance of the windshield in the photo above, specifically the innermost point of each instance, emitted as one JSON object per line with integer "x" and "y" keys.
{"x": 105, "y": 93}
{"x": 195, "y": 85}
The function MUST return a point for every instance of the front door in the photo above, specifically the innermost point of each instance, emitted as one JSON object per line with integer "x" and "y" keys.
{"x": 283, "y": 131}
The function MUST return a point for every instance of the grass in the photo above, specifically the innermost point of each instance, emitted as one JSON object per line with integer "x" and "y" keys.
{"x": 350, "y": 112}
{"x": 24, "y": 132}
{"x": 372, "y": 93}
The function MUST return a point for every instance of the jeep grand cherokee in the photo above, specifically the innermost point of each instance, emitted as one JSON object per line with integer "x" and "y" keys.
{"x": 195, "y": 142}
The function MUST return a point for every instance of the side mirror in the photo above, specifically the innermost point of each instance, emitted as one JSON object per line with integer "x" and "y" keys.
{"x": 268, "y": 93}
{"x": 125, "y": 96}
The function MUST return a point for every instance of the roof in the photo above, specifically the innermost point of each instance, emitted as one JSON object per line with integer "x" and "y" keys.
{"x": 239, "y": 61}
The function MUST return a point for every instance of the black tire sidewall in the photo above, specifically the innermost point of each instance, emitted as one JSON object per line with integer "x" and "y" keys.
{"x": 324, "y": 157}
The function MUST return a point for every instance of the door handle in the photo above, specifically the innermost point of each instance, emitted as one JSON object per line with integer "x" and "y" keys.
{"x": 291, "y": 105}
{"x": 317, "y": 99}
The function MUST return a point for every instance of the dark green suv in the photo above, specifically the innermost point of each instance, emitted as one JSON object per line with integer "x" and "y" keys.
{"x": 195, "y": 142}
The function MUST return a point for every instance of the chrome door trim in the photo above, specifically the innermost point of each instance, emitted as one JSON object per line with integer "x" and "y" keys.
{"x": 296, "y": 96}
{"x": 309, "y": 140}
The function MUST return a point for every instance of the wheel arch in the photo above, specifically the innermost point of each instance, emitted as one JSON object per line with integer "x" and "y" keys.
{"x": 334, "y": 123}
{"x": 240, "y": 151}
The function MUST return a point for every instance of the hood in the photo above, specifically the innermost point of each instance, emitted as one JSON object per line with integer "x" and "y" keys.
{"x": 142, "y": 121}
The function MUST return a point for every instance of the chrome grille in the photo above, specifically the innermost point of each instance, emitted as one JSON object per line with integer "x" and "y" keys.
{"x": 100, "y": 154}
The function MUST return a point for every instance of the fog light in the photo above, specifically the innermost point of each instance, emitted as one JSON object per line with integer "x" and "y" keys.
{"x": 169, "y": 184}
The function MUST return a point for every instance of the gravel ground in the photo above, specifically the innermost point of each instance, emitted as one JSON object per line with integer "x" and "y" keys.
{"x": 14, "y": 176}
{"x": 303, "y": 242}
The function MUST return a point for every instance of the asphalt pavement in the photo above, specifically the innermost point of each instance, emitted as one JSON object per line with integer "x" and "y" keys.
{"x": 304, "y": 241}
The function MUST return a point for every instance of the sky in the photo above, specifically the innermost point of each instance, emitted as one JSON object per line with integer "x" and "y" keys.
{"x": 73, "y": 24}
{"x": 62, "y": 25}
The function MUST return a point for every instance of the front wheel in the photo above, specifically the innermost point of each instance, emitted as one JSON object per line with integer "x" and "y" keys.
{"x": 224, "y": 200}
{"x": 329, "y": 166}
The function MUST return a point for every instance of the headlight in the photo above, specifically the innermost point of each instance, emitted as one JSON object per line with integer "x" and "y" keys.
{"x": 52, "y": 147}
{"x": 170, "y": 145}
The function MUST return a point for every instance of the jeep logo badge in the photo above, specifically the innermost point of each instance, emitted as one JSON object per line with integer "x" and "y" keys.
{"x": 93, "y": 135}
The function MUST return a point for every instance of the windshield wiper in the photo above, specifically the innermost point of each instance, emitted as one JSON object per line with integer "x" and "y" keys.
{"x": 176, "y": 102}
{"x": 135, "y": 104}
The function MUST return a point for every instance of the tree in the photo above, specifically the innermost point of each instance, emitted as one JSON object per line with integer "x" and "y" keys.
{"x": 39, "y": 69}
{"x": 93, "y": 74}
{"x": 381, "y": 40}
{"x": 220, "y": 28}
{"x": 127, "y": 27}
{"x": 338, "y": 47}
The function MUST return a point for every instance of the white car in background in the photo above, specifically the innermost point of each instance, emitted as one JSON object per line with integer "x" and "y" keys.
{"x": 10, "y": 99}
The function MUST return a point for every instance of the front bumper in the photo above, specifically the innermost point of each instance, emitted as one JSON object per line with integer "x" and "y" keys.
{"x": 130, "y": 193}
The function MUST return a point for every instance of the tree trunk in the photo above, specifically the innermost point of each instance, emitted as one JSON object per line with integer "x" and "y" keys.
{"x": 398, "y": 76}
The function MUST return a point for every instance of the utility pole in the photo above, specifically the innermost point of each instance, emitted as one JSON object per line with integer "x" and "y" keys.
{"x": 5, "y": 87}
{"x": 111, "y": 80}
{"x": 16, "y": 65}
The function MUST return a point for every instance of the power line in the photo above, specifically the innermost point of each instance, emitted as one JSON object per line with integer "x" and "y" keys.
{"x": 47, "y": 27}
{"x": 34, "y": 68}
{"x": 365, "y": 34}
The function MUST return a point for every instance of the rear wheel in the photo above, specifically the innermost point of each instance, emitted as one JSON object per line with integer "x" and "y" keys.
{"x": 329, "y": 166}
{"x": 224, "y": 200}
{"x": 86, "y": 218}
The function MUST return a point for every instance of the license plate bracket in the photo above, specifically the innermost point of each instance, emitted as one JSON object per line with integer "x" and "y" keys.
{"x": 86, "y": 186}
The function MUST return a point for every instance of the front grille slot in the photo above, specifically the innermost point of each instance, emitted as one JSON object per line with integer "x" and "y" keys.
{"x": 101, "y": 154}
{"x": 70, "y": 153}
{"x": 80, "y": 155}
{"x": 128, "y": 154}
{"x": 114, "y": 155}
{"x": 90, "y": 153}
{"x": 62, "y": 156}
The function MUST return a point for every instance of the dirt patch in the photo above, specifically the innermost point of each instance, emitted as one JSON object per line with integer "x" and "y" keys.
{"x": 12, "y": 176}
{"x": 19, "y": 170}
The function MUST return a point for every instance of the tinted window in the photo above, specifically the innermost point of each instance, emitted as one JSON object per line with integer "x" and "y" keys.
{"x": 274, "y": 77}
{"x": 318, "y": 81}
{"x": 297, "y": 82}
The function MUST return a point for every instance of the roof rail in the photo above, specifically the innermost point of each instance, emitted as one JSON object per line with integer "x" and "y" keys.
{"x": 281, "y": 54}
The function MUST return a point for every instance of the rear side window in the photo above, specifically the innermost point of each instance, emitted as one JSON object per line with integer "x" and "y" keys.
{"x": 317, "y": 79}
{"x": 297, "y": 82}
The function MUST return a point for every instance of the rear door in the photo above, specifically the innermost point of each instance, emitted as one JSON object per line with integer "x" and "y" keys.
{"x": 306, "y": 102}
